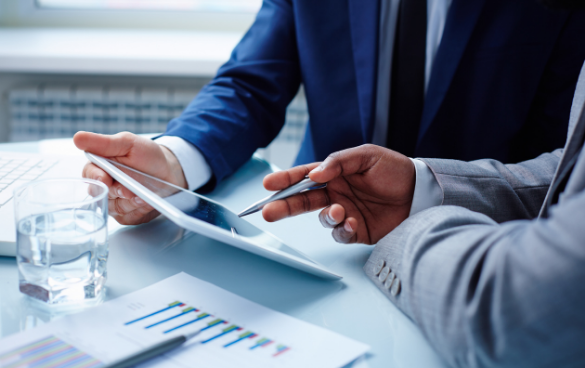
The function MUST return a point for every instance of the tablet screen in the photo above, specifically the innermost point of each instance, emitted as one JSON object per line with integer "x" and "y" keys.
{"x": 197, "y": 206}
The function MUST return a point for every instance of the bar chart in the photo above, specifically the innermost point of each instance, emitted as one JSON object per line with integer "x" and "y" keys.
{"x": 245, "y": 335}
{"x": 172, "y": 317}
{"x": 49, "y": 352}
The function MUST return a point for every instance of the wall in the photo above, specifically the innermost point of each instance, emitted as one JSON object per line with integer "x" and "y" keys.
{"x": 23, "y": 13}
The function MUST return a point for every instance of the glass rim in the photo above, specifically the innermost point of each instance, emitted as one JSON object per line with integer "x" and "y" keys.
{"x": 92, "y": 199}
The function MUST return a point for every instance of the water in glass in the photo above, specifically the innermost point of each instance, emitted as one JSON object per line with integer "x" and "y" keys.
{"x": 62, "y": 255}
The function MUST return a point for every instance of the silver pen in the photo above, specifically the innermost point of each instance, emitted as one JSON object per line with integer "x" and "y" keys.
{"x": 152, "y": 351}
{"x": 302, "y": 186}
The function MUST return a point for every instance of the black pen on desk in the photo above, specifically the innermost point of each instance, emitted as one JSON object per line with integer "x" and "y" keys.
{"x": 152, "y": 351}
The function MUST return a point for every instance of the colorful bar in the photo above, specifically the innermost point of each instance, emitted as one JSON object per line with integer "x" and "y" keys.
{"x": 46, "y": 347}
{"x": 75, "y": 359}
{"x": 199, "y": 317}
{"x": 245, "y": 335}
{"x": 215, "y": 322}
{"x": 49, "y": 352}
{"x": 28, "y": 348}
{"x": 185, "y": 311}
{"x": 172, "y": 305}
{"x": 63, "y": 361}
{"x": 41, "y": 354}
{"x": 56, "y": 355}
{"x": 280, "y": 349}
{"x": 262, "y": 342}
{"x": 225, "y": 331}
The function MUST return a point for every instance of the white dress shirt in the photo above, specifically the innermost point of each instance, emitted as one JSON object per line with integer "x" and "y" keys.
{"x": 197, "y": 171}
{"x": 427, "y": 192}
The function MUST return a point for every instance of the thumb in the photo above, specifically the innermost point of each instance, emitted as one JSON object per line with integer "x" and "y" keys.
{"x": 347, "y": 162}
{"x": 105, "y": 145}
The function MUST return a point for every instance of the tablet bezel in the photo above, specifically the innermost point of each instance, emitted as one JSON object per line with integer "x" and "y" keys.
{"x": 201, "y": 227}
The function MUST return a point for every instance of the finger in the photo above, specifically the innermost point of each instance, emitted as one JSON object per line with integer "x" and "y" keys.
{"x": 295, "y": 205}
{"x": 332, "y": 216}
{"x": 121, "y": 206}
{"x": 105, "y": 145}
{"x": 284, "y": 179}
{"x": 345, "y": 233}
{"x": 136, "y": 217}
{"x": 91, "y": 171}
{"x": 347, "y": 162}
{"x": 117, "y": 190}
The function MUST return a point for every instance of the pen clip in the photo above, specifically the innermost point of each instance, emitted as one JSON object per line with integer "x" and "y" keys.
{"x": 319, "y": 186}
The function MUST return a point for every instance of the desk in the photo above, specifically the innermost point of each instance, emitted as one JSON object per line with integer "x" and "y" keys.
{"x": 142, "y": 255}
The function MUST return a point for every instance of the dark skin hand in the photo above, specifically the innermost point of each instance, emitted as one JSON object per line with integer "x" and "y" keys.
{"x": 369, "y": 192}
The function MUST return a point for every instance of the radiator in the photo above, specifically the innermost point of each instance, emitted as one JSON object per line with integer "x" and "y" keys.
{"x": 45, "y": 111}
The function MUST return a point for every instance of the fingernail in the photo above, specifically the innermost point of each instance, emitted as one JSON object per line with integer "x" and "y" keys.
{"x": 347, "y": 227}
{"x": 330, "y": 220}
{"x": 119, "y": 193}
{"x": 139, "y": 201}
{"x": 317, "y": 169}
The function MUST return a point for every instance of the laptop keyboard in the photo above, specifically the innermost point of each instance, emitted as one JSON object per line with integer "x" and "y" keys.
{"x": 15, "y": 172}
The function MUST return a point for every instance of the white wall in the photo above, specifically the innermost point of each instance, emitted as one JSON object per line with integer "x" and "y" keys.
{"x": 23, "y": 13}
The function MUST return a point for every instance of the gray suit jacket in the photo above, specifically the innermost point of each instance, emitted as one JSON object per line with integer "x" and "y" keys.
{"x": 497, "y": 295}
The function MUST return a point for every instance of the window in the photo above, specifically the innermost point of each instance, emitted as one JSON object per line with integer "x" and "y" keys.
{"x": 237, "y": 6}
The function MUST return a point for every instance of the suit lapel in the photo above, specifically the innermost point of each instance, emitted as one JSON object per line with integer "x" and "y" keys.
{"x": 364, "y": 17}
{"x": 572, "y": 148}
{"x": 575, "y": 141}
{"x": 461, "y": 20}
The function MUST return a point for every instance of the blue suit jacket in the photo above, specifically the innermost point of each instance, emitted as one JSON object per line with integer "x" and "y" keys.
{"x": 501, "y": 84}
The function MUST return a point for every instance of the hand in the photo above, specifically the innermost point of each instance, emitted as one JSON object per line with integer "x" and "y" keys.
{"x": 369, "y": 192}
{"x": 137, "y": 152}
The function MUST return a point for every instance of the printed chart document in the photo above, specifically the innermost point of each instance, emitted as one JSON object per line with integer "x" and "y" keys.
{"x": 234, "y": 332}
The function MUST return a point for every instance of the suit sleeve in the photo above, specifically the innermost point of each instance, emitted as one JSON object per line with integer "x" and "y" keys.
{"x": 243, "y": 107}
{"x": 502, "y": 192}
{"x": 489, "y": 295}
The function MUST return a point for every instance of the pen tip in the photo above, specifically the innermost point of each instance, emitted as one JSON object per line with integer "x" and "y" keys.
{"x": 248, "y": 211}
{"x": 192, "y": 334}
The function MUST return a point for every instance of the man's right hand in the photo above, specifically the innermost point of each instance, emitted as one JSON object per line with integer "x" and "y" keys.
{"x": 369, "y": 192}
{"x": 139, "y": 153}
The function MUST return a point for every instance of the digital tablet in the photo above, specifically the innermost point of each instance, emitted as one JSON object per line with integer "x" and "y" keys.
{"x": 204, "y": 216}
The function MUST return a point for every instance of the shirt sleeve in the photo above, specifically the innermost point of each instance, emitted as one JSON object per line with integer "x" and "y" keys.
{"x": 196, "y": 169}
{"x": 427, "y": 192}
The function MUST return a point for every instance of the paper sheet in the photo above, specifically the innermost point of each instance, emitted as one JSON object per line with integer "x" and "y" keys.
{"x": 235, "y": 332}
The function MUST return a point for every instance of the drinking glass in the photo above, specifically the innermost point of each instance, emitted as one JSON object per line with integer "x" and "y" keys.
{"x": 61, "y": 240}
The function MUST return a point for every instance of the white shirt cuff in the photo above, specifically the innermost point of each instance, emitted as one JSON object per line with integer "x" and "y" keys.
{"x": 427, "y": 192}
{"x": 196, "y": 170}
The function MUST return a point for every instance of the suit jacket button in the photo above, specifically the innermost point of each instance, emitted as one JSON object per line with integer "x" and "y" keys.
{"x": 389, "y": 280}
{"x": 378, "y": 267}
{"x": 395, "y": 287}
{"x": 384, "y": 273}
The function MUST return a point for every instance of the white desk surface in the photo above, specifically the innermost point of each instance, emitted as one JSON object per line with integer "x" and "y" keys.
{"x": 115, "y": 52}
{"x": 142, "y": 255}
